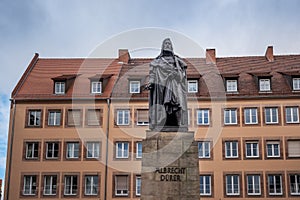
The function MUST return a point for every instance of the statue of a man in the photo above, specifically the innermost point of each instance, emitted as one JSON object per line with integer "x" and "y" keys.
{"x": 168, "y": 90}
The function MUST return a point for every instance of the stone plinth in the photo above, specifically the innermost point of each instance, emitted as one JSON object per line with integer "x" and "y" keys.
{"x": 170, "y": 166}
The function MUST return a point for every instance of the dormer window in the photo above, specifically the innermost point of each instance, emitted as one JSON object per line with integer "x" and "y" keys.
{"x": 296, "y": 83}
{"x": 134, "y": 86}
{"x": 264, "y": 84}
{"x": 96, "y": 87}
{"x": 60, "y": 88}
{"x": 98, "y": 83}
{"x": 231, "y": 85}
{"x": 63, "y": 82}
{"x": 192, "y": 86}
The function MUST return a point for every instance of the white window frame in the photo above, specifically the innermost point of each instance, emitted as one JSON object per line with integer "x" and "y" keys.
{"x": 295, "y": 186}
{"x": 202, "y": 116}
{"x": 138, "y": 185}
{"x": 89, "y": 190}
{"x": 92, "y": 150}
{"x": 272, "y": 145}
{"x": 96, "y": 87}
{"x": 205, "y": 180}
{"x": 293, "y": 114}
{"x": 55, "y": 119}
{"x": 204, "y": 149}
{"x": 50, "y": 185}
{"x": 273, "y": 177}
{"x": 296, "y": 84}
{"x": 192, "y": 86}
{"x": 122, "y": 149}
{"x": 60, "y": 87}
{"x": 272, "y": 121}
{"x": 134, "y": 87}
{"x": 264, "y": 84}
{"x": 139, "y": 150}
{"x": 72, "y": 149}
{"x": 251, "y": 115}
{"x": 52, "y": 149}
{"x": 32, "y": 187}
{"x": 252, "y": 149}
{"x": 124, "y": 192}
{"x": 253, "y": 184}
{"x": 231, "y": 150}
{"x": 232, "y": 185}
{"x": 32, "y": 150}
{"x": 139, "y": 122}
{"x": 37, "y": 117}
{"x": 123, "y": 117}
{"x": 231, "y": 85}
{"x": 231, "y": 117}
{"x": 72, "y": 178}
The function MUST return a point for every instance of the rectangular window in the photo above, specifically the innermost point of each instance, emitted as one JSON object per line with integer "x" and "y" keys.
{"x": 275, "y": 184}
{"x": 50, "y": 185}
{"x": 232, "y": 185}
{"x": 34, "y": 117}
{"x": 60, "y": 88}
{"x": 96, "y": 87}
{"x": 72, "y": 150}
{"x": 121, "y": 185}
{"x": 138, "y": 185}
{"x": 30, "y": 185}
{"x": 91, "y": 185}
{"x": 293, "y": 148}
{"x": 230, "y": 116}
{"x": 52, "y": 150}
{"x": 139, "y": 150}
{"x": 295, "y": 184}
{"x": 264, "y": 85}
{"x": 134, "y": 86}
{"x": 273, "y": 149}
{"x": 205, "y": 185}
{"x": 123, "y": 117}
{"x": 54, "y": 118}
{"x": 122, "y": 149}
{"x": 231, "y": 149}
{"x": 142, "y": 117}
{"x": 32, "y": 150}
{"x": 93, "y": 149}
{"x": 203, "y": 117}
{"x": 71, "y": 184}
{"x": 250, "y": 115}
{"x": 253, "y": 185}
{"x": 231, "y": 85}
{"x": 192, "y": 86}
{"x": 252, "y": 150}
{"x": 292, "y": 115}
{"x": 74, "y": 117}
{"x": 271, "y": 115}
{"x": 204, "y": 149}
{"x": 93, "y": 117}
{"x": 296, "y": 83}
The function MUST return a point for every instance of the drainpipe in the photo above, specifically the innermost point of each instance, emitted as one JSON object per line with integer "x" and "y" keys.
{"x": 106, "y": 154}
{"x": 11, "y": 139}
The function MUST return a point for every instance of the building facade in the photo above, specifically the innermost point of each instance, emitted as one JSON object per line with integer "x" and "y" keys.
{"x": 76, "y": 127}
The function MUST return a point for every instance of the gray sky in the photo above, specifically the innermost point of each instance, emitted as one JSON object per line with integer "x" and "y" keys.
{"x": 74, "y": 28}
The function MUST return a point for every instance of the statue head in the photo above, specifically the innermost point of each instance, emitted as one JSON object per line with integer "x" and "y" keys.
{"x": 167, "y": 45}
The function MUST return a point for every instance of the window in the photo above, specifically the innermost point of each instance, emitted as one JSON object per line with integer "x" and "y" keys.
{"x": 231, "y": 149}
{"x": 123, "y": 117}
{"x": 231, "y": 85}
{"x": 96, "y": 87}
{"x": 91, "y": 185}
{"x": 203, "y": 117}
{"x": 54, "y": 118}
{"x": 142, "y": 117}
{"x": 30, "y": 185}
{"x": 34, "y": 118}
{"x": 122, "y": 149}
{"x": 60, "y": 87}
{"x": 295, "y": 184}
{"x": 252, "y": 150}
{"x": 50, "y": 185}
{"x": 71, "y": 184}
{"x": 292, "y": 115}
{"x": 52, "y": 149}
{"x": 205, "y": 185}
{"x": 204, "y": 149}
{"x": 275, "y": 184}
{"x": 264, "y": 85}
{"x": 253, "y": 185}
{"x": 232, "y": 185}
{"x": 74, "y": 117}
{"x": 32, "y": 150}
{"x": 93, "y": 149}
{"x": 121, "y": 185}
{"x": 192, "y": 86}
{"x": 139, "y": 150}
{"x": 138, "y": 186}
{"x": 72, "y": 150}
{"x": 134, "y": 86}
{"x": 296, "y": 83}
{"x": 273, "y": 149}
{"x": 271, "y": 115}
{"x": 230, "y": 116}
{"x": 293, "y": 148}
{"x": 250, "y": 115}
{"x": 93, "y": 117}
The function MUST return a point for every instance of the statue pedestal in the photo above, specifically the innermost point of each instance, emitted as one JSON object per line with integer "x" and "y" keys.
{"x": 170, "y": 166}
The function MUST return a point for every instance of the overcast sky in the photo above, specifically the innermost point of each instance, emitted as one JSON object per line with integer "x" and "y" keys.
{"x": 74, "y": 28}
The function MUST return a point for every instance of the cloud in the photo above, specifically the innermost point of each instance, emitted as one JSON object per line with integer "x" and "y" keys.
{"x": 4, "y": 120}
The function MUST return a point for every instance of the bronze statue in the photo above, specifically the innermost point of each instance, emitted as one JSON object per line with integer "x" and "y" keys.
{"x": 168, "y": 91}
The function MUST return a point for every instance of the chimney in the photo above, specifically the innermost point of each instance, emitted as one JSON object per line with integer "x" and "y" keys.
{"x": 269, "y": 54}
{"x": 211, "y": 56}
{"x": 124, "y": 55}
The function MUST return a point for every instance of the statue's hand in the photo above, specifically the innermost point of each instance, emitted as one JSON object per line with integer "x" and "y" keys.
{"x": 148, "y": 86}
